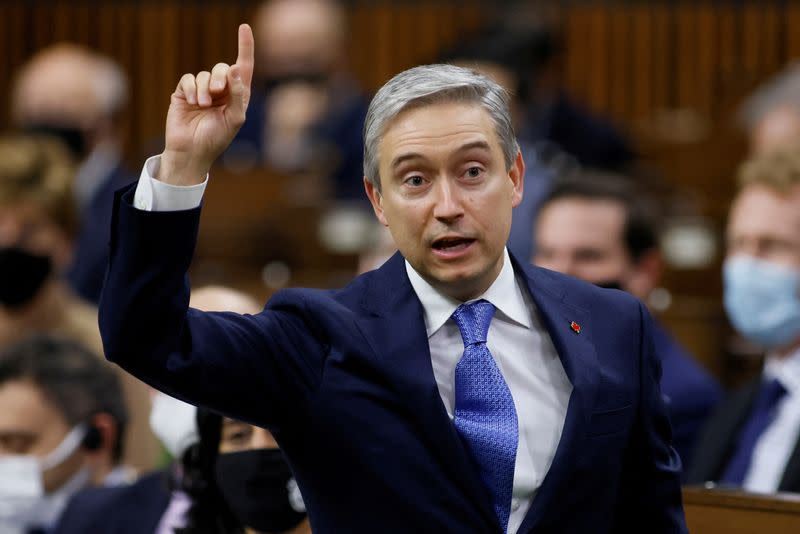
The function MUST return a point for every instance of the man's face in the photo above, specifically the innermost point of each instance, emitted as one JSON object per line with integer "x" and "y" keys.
{"x": 447, "y": 195}
{"x": 766, "y": 225}
{"x": 31, "y": 425}
{"x": 584, "y": 238}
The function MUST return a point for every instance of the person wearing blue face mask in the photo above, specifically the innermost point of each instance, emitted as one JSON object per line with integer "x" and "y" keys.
{"x": 753, "y": 440}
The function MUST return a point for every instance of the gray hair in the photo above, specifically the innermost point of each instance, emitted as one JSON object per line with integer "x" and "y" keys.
{"x": 430, "y": 84}
{"x": 783, "y": 89}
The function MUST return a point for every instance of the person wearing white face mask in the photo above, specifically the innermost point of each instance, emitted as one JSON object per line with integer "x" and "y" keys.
{"x": 157, "y": 503}
{"x": 754, "y": 439}
{"x": 61, "y": 426}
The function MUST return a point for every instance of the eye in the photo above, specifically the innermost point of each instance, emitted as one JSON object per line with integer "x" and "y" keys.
{"x": 237, "y": 435}
{"x": 474, "y": 172}
{"x": 415, "y": 181}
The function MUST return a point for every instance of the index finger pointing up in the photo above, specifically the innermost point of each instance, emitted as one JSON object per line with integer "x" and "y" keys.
{"x": 246, "y": 52}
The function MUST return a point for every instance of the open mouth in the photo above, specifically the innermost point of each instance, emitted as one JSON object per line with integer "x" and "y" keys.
{"x": 452, "y": 244}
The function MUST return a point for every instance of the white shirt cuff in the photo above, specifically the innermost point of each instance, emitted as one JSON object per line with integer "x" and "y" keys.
{"x": 154, "y": 195}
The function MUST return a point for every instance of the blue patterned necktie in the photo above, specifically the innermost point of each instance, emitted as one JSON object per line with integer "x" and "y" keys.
{"x": 485, "y": 416}
{"x": 761, "y": 415}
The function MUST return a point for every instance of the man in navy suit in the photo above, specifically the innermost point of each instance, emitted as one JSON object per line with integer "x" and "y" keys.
{"x": 598, "y": 227}
{"x": 454, "y": 389}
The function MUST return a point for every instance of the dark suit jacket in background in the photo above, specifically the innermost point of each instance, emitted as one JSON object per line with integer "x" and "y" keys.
{"x": 134, "y": 509}
{"x": 343, "y": 379}
{"x": 339, "y": 130}
{"x": 90, "y": 258}
{"x": 690, "y": 392}
{"x": 718, "y": 438}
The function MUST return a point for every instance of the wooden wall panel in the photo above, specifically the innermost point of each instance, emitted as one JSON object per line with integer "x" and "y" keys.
{"x": 672, "y": 73}
{"x": 635, "y": 61}
{"x": 623, "y": 58}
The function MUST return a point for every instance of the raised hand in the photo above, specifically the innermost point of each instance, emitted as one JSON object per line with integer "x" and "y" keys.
{"x": 205, "y": 112}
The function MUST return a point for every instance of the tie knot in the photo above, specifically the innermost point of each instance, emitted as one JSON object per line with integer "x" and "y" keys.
{"x": 473, "y": 321}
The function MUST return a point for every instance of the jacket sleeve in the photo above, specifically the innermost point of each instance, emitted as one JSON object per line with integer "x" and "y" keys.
{"x": 256, "y": 368}
{"x": 650, "y": 493}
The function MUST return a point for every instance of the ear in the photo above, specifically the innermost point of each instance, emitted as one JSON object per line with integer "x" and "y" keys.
{"x": 646, "y": 274}
{"x": 517, "y": 176}
{"x": 102, "y": 436}
{"x": 376, "y": 199}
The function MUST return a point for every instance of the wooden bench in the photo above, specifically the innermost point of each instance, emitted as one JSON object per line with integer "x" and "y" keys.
{"x": 715, "y": 511}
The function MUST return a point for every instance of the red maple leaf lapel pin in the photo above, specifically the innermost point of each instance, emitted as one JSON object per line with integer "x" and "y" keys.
{"x": 575, "y": 327}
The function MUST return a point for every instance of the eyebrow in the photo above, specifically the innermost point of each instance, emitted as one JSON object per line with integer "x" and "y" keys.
{"x": 396, "y": 162}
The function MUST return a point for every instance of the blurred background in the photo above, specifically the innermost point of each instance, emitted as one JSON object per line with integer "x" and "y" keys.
{"x": 665, "y": 81}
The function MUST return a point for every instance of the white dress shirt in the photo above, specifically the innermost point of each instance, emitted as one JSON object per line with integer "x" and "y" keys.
{"x": 528, "y": 361}
{"x": 775, "y": 445}
{"x": 519, "y": 343}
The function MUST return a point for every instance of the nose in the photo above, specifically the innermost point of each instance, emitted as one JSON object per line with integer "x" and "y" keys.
{"x": 447, "y": 203}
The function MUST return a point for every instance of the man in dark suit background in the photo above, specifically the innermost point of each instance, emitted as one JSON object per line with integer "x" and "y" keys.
{"x": 601, "y": 228}
{"x": 80, "y": 96}
{"x": 307, "y": 111}
{"x": 452, "y": 390}
{"x": 752, "y": 440}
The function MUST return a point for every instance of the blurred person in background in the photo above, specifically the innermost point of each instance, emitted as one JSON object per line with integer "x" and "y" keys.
{"x": 595, "y": 227}
{"x": 753, "y": 439}
{"x": 62, "y": 425}
{"x": 37, "y": 228}
{"x": 241, "y": 483}
{"x": 771, "y": 115}
{"x": 78, "y": 95}
{"x": 510, "y": 58}
{"x": 306, "y": 112}
{"x": 157, "y": 503}
{"x": 528, "y": 37}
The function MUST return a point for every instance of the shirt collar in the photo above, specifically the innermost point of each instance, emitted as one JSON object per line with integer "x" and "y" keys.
{"x": 505, "y": 293}
{"x": 785, "y": 369}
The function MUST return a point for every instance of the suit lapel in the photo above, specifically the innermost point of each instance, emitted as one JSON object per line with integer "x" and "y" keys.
{"x": 577, "y": 354}
{"x": 790, "y": 481}
{"x": 395, "y": 328}
{"x": 715, "y": 444}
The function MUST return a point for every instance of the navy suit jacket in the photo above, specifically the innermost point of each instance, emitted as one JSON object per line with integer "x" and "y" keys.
{"x": 134, "y": 509}
{"x": 689, "y": 391}
{"x": 719, "y": 436}
{"x": 343, "y": 379}
{"x": 90, "y": 260}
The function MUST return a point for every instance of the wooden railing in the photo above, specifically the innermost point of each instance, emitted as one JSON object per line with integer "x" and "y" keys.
{"x": 730, "y": 512}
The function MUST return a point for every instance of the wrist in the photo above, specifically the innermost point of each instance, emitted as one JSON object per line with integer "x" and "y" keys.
{"x": 180, "y": 169}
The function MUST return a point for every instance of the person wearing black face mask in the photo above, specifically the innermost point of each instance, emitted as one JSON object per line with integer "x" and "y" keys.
{"x": 595, "y": 227}
{"x": 37, "y": 229}
{"x": 36, "y": 225}
{"x": 78, "y": 96}
{"x": 240, "y": 482}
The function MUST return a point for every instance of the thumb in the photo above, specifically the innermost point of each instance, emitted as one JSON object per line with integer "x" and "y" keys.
{"x": 239, "y": 96}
